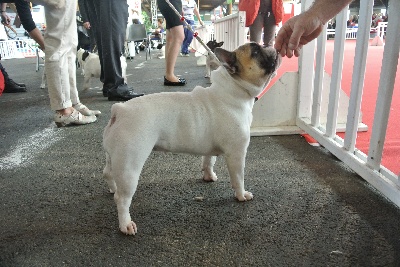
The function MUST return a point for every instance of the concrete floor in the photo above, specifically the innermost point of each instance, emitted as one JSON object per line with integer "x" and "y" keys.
{"x": 309, "y": 208}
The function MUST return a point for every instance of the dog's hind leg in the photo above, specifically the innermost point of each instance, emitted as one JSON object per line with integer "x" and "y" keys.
{"x": 127, "y": 164}
{"x": 86, "y": 82}
{"x": 208, "y": 165}
{"x": 107, "y": 175}
{"x": 235, "y": 163}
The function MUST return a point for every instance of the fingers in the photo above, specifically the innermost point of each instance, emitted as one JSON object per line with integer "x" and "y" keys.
{"x": 282, "y": 40}
{"x": 295, "y": 38}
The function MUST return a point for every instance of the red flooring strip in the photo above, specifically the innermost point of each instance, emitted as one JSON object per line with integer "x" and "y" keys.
{"x": 391, "y": 151}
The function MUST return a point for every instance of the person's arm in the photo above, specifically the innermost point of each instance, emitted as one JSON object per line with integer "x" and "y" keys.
{"x": 36, "y": 35}
{"x": 196, "y": 12}
{"x": 24, "y": 13}
{"x": 302, "y": 29}
{"x": 83, "y": 12}
{"x": 5, "y": 19}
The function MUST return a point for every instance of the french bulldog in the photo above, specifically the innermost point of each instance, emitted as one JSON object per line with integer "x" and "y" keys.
{"x": 93, "y": 69}
{"x": 211, "y": 63}
{"x": 208, "y": 121}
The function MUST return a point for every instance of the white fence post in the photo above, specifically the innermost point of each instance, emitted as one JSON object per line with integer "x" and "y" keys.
{"x": 386, "y": 86}
{"x": 360, "y": 62}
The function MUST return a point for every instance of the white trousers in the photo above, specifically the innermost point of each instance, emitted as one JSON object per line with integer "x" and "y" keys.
{"x": 60, "y": 41}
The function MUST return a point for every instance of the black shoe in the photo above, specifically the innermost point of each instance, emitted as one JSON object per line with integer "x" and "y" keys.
{"x": 19, "y": 84}
{"x": 122, "y": 93}
{"x": 105, "y": 91}
{"x": 169, "y": 83}
{"x": 13, "y": 87}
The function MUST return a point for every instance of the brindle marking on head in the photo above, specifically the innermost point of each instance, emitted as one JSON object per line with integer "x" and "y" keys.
{"x": 250, "y": 62}
{"x": 255, "y": 62}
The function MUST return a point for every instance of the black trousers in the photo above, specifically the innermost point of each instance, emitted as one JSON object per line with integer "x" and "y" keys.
{"x": 108, "y": 19}
{"x": 5, "y": 74}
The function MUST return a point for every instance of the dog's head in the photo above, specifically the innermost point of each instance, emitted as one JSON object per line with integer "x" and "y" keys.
{"x": 251, "y": 62}
{"x": 214, "y": 44}
{"x": 85, "y": 55}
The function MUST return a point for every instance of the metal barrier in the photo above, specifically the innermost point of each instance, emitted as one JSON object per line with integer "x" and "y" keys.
{"x": 351, "y": 33}
{"x": 309, "y": 100}
{"x": 231, "y": 30}
{"x": 381, "y": 29}
{"x": 18, "y": 48}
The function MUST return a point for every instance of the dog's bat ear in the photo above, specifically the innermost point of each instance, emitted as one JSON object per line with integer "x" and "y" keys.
{"x": 228, "y": 59}
{"x": 85, "y": 55}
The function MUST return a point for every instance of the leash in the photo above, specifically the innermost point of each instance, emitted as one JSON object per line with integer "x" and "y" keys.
{"x": 195, "y": 34}
{"x": 9, "y": 28}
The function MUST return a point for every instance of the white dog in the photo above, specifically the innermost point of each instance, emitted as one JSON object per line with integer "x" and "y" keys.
{"x": 93, "y": 68}
{"x": 81, "y": 62}
{"x": 207, "y": 121}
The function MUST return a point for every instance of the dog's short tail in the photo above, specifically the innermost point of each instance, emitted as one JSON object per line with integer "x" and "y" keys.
{"x": 114, "y": 111}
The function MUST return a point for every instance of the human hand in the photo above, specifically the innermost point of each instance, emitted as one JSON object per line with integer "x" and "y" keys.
{"x": 5, "y": 19}
{"x": 296, "y": 32}
{"x": 87, "y": 25}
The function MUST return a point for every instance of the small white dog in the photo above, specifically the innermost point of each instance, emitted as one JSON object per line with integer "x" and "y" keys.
{"x": 93, "y": 69}
{"x": 207, "y": 121}
{"x": 81, "y": 62}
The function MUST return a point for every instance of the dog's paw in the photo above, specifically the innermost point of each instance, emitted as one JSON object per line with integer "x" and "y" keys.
{"x": 207, "y": 76}
{"x": 210, "y": 177}
{"x": 245, "y": 197}
{"x": 42, "y": 86}
{"x": 129, "y": 229}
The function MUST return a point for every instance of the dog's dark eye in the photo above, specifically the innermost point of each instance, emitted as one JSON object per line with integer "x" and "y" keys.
{"x": 254, "y": 53}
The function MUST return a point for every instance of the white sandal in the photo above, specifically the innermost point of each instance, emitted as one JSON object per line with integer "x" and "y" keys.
{"x": 74, "y": 118}
{"x": 85, "y": 110}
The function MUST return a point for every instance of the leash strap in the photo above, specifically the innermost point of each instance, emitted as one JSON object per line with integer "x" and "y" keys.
{"x": 195, "y": 34}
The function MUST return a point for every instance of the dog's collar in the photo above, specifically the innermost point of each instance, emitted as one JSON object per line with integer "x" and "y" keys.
{"x": 222, "y": 78}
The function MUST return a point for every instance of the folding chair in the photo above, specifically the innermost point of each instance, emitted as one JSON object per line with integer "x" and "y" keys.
{"x": 138, "y": 35}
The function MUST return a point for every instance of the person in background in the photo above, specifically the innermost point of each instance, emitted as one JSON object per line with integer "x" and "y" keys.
{"x": 262, "y": 14}
{"x": 109, "y": 20}
{"x": 189, "y": 9}
{"x": 9, "y": 85}
{"x": 24, "y": 12}
{"x": 86, "y": 24}
{"x": 157, "y": 35}
{"x": 305, "y": 27}
{"x": 174, "y": 40}
{"x": 61, "y": 40}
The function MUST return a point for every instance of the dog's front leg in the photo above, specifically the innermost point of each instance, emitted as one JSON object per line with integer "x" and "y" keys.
{"x": 86, "y": 82}
{"x": 235, "y": 163}
{"x": 208, "y": 165}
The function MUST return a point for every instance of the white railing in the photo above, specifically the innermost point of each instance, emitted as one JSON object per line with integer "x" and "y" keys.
{"x": 206, "y": 33}
{"x": 351, "y": 33}
{"x": 18, "y": 48}
{"x": 381, "y": 29}
{"x": 309, "y": 101}
{"x": 231, "y": 30}
{"x": 296, "y": 102}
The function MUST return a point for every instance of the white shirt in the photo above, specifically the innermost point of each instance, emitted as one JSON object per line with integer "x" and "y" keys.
{"x": 188, "y": 9}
